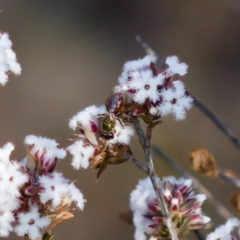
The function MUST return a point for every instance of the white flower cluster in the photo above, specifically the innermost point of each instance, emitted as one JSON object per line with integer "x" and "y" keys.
{"x": 158, "y": 91}
{"x": 224, "y": 231}
{"x": 33, "y": 195}
{"x": 183, "y": 204}
{"x": 89, "y": 121}
{"x": 59, "y": 190}
{"x": 8, "y": 61}
{"x": 12, "y": 178}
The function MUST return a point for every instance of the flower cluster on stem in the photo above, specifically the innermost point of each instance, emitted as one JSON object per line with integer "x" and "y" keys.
{"x": 34, "y": 197}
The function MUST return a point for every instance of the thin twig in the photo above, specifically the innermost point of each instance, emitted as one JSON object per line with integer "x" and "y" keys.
{"x": 146, "y": 144}
{"x": 139, "y": 130}
{"x": 234, "y": 182}
{"x": 199, "y": 235}
{"x": 146, "y": 47}
{"x": 138, "y": 164}
{"x": 159, "y": 190}
{"x": 223, "y": 127}
{"x": 219, "y": 208}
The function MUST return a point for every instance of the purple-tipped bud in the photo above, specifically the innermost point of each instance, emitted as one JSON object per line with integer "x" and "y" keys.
{"x": 167, "y": 195}
{"x": 153, "y": 226}
{"x": 158, "y": 219}
{"x": 46, "y": 163}
{"x": 153, "y": 207}
{"x": 93, "y": 126}
{"x": 174, "y": 204}
{"x": 31, "y": 191}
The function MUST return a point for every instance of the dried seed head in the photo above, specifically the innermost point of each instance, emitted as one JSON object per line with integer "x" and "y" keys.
{"x": 204, "y": 162}
{"x": 235, "y": 201}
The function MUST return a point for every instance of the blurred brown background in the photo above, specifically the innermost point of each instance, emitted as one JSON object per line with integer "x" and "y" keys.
{"x": 72, "y": 53}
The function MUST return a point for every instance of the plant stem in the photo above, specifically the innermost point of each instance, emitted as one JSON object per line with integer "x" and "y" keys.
{"x": 199, "y": 235}
{"x": 223, "y": 127}
{"x": 233, "y": 181}
{"x": 146, "y": 144}
{"x": 138, "y": 163}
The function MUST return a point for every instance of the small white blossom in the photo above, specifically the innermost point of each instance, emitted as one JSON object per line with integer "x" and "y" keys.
{"x": 5, "y": 223}
{"x": 8, "y": 61}
{"x": 32, "y": 224}
{"x": 224, "y": 231}
{"x": 81, "y": 154}
{"x": 11, "y": 180}
{"x": 57, "y": 189}
{"x": 84, "y": 117}
{"x": 175, "y": 67}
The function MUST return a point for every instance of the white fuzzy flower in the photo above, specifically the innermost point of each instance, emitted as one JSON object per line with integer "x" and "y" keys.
{"x": 44, "y": 150}
{"x": 81, "y": 153}
{"x": 8, "y": 61}
{"x": 175, "y": 67}
{"x": 11, "y": 180}
{"x": 86, "y": 116}
{"x": 6, "y": 219}
{"x": 57, "y": 189}
{"x": 32, "y": 224}
{"x": 122, "y": 135}
{"x": 175, "y": 101}
{"x": 224, "y": 231}
{"x": 139, "y": 199}
{"x": 155, "y": 91}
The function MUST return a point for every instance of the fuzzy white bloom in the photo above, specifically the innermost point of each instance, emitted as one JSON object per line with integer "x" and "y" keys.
{"x": 32, "y": 224}
{"x": 175, "y": 101}
{"x": 59, "y": 190}
{"x": 134, "y": 68}
{"x": 139, "y": 199}
{"x": 81, "y": 154}
{"x": 157, "y": 90}
{"x": 175, "y": 67}
{"x": 11, "y": 180}
{"x": 123, "y": 134}
{"x": 224, "y": 231}
{"x": 90, "y": 113}
{"x": 8, "y": 61}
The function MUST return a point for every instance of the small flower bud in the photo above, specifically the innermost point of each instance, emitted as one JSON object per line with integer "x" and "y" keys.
{"x": 31, "y": 191}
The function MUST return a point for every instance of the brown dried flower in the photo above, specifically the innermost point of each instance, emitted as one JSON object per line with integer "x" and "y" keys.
{"x": 204, "y": 162}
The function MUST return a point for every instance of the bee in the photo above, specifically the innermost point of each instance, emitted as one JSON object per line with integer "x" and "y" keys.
{"x": 114, "y": 106}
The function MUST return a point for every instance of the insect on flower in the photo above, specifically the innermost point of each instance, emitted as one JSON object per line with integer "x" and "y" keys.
{"x": 114, "y": 106}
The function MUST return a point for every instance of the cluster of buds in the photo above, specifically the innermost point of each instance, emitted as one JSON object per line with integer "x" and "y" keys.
{"x": 183, "y": 204}
{"x": 8, "y": 61}
{"x": 103, "y": 137}
{"x": 34, "y": 197}
{"x": 155, "y": 94}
